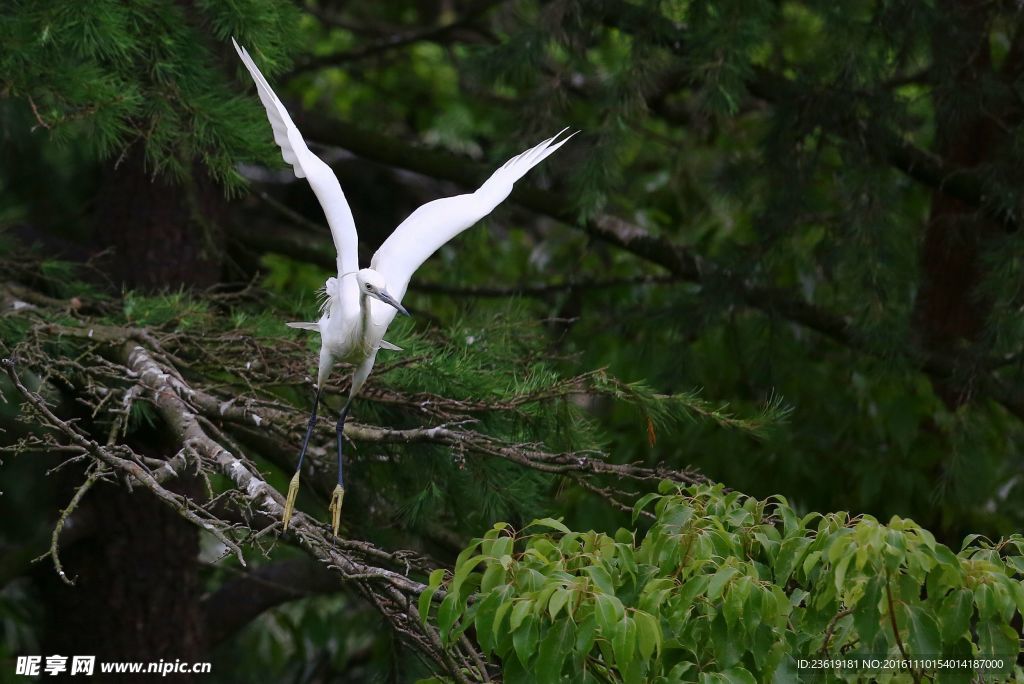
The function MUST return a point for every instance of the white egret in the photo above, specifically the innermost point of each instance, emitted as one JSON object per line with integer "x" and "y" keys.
{"x": 361, "y": 303}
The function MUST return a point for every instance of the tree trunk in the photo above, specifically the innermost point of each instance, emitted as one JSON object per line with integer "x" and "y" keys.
{"x": 137, "y": 593}
{"x": 163, "y": 235}
{"x": 949, "y": 313}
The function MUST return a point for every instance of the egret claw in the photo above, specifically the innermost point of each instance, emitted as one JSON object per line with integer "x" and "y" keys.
{"x": 289, "y": 504}
{"x": 337, "y": 498}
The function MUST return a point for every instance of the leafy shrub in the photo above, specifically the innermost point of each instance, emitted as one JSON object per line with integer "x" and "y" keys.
{"x": 727, "y": 588}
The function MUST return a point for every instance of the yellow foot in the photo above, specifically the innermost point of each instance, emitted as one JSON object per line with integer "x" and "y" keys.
{"x": 337, "y": 498}
{"x": 289, "y": 504}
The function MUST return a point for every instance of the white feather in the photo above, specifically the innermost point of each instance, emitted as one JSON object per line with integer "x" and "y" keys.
{"x": 320, "y": 176}
{"x": 437, "y": 222}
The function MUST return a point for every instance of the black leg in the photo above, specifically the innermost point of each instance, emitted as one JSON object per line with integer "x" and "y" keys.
{"x": 293, "y": 486}
{"x": 309, "y": 429}
{"x": 338, "y": 496}
{"x": 341, "y": 443}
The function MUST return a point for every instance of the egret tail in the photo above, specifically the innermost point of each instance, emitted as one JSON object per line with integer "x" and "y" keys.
{"x": 293, "y": 486}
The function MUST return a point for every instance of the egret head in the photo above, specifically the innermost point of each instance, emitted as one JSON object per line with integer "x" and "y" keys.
{"x": 371, "y": 284}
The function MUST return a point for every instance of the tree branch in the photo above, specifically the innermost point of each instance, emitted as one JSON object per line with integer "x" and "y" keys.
{"x": 677, "y": 260}
{"x": 884, "y": 144}
{"x": 397, "y": 40}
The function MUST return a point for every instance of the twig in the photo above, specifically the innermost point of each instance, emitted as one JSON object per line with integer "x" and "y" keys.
{"x": 831, "y": 628}
{"x": 896, "y": 631}
{"x": 96, "y": 474}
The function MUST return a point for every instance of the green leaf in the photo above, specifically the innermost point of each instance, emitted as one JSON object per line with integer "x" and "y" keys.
{"x": 690, "y": 590}
{"x": 483, "y": 620}
{"x": 585, "y": 636}
{"x": 601, "y": 578}
{"x": 810, "y": 561}
{"x": 648, "y": 634}
{"x": 735, "y": 600}
{"x": 738, "y": 675}
{"x": 559, "y": 598}
{"x": 923, "y": 639}
{"x": 955, "y": 614}
{"x": 424, "y": 603}
{"x": 608, "y": 611}
{"x": 436, "y": 576}
{"x": 447, "y": 614}
{"x": 462, "y": 572}
{"x": 502, "y": 546}
{"x": 552, "y": 523}
{"x": 624, "y": 642}
{"x": 968, "y": 540}
{"x": 790, "y": 551}
{"x": 840, "y": 572}
{"x": 493, "y": 577}
{"x": 866, "y": 614}
{"x": 719, "y": 580}
{"x": 998, "y": 640}
{"x": 524, "y": 640}
{"x": 985, "y": 600}
{"x": 519, "y": 612}
{"x": 554, "y": 648}
{"x": 642, "y": 503}
{"x": 499, "y": 618}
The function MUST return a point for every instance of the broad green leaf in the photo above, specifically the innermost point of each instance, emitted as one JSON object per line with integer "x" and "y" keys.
{"x": 559, "y": 598}
{"x": 840, "y": 573}
{"x": 738, "y": 675}
{"x": 648, "y": 633}
{"x": 608, "y": 611}
{"x": 692, "y": 588}
{"x": 719, "y": 580}
{"x": 499, "y": 619}
{"x": 790, "y": 552}
{"x": 985, "y": 600}
{"x": 601, "y": 578}
{"x": 998, "y": 640}
{"x": 424, "y": 602}
{"x": 866, "y": 614}
{"x": 447, "y": 614}
{"x": 524, "y": 640}
{"x": 955, "y": 614}
{"x": 552, "y": 523}
{"x": 519, "y": 612}
{"x": 483, "y": 620}
{"x": 554, "y": 648}
{"x": 642, "y": 503}
{"x": 436, "y": 577}
{"x": 494, "y": 576}
{"x": 462, "y": 572}
{"x": 624, "y": 642}
{"x": 923, "y": 640}
{"x": 810, "y": 561}
{"x": 585, "y": 636}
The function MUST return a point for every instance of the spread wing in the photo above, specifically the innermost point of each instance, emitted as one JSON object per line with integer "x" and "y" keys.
{"x": 320, "y": 176}
{"x": 437, "y": 222}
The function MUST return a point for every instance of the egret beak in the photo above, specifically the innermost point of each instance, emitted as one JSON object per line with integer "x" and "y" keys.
{"x": 389, "y": 300}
